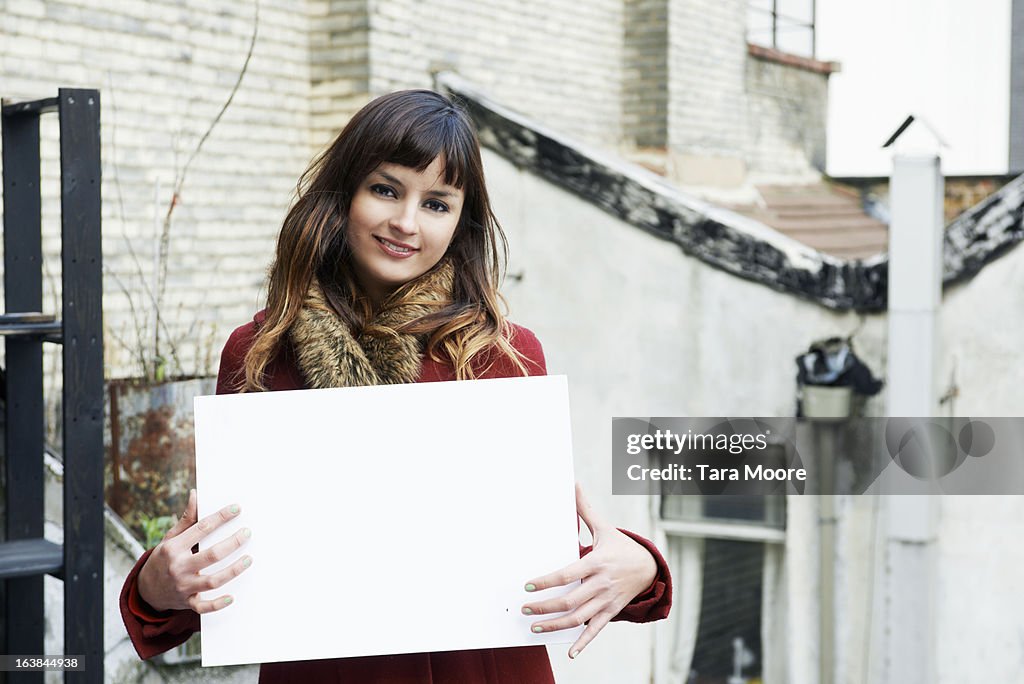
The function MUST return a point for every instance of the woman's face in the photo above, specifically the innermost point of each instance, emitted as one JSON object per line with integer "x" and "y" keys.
{"x": 400, "y": 224}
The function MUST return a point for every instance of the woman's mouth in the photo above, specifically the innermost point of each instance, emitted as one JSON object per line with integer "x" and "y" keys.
{"x": 395, "y": 249}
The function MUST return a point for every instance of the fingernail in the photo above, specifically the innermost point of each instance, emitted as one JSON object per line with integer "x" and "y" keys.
{"x": 234, "y": 509}
{"x": 527, "y": 611}
{"x": 538, "y": 629}
{"x": 228, "y": 600}
{"x": 247, "y": 562}
{"x": 530, "y": 587}
{"x": 246, "y": 533}
{"x": 574, "y": 654}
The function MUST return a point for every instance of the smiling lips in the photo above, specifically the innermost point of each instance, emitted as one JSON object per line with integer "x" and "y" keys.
{"x": 399, "y": 250}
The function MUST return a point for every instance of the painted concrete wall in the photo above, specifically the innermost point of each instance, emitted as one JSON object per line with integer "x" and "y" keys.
{"x": 980, "y": 608}
{"x": 642, "y": 329}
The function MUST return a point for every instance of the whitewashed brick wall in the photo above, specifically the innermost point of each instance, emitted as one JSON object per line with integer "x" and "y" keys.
{"x": 645, "y": 73}
{"x": 786, "y": 115}
{"x": 340, "y": 69}
{"x": 707, "y": 58}
{"x": 559, "y": 62}
{"x": 744, "y": 118}
{"x": 164, "y": 70}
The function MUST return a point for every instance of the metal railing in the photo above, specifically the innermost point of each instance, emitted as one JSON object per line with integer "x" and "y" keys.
{"x": 25, "y": 554}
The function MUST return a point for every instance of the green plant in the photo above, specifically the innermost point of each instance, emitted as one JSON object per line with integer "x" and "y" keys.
{"x": 156, "y": 528}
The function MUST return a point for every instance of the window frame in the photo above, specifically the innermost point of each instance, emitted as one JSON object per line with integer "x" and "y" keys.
{"x": 792, "y": 22}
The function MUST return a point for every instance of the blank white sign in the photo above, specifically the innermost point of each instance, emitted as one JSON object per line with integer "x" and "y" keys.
{"x": 387, "y": 519}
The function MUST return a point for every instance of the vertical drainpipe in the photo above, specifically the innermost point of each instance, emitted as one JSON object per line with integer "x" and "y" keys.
{"x": 915, "y": 293}
{"x": 828, "y": 444}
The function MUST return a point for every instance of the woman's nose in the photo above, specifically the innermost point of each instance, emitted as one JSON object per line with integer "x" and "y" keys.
{"x": 404, "y": 219}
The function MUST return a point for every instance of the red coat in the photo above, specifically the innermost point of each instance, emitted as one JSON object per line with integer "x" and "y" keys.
{"x": 154, "y": 632}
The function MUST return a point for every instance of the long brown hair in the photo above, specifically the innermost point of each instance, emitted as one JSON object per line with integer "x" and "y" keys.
{"x": 411, "y": 128}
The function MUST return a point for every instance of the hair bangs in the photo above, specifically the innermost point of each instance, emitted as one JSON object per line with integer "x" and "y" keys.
{"x": 436, "y": 133}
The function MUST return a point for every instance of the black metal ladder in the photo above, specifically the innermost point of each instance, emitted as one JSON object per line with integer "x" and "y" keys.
{"x": 25, "y": 556}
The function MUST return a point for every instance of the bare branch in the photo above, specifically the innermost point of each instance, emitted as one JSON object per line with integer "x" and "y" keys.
{"x": 165, "y": 234}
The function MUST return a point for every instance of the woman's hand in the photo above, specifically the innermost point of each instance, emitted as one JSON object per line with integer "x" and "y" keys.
{"x": 170, "y": 578}
{"x": 613, "y": 573}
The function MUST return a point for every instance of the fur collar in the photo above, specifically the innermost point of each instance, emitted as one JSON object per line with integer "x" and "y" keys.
{"x": 329, "y": 356}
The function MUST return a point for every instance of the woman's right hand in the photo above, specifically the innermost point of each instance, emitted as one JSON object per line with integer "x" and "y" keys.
{"x": 170, "y": 578}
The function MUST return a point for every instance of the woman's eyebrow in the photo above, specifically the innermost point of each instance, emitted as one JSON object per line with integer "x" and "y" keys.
{"x": 433, "y": 193}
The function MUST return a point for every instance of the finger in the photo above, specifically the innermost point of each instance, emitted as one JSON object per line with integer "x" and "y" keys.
{"x": 576, "y": 618}
{"x": 219, "y": 551}
{"x": 174, "y": 530}
{"x": 200, "y": 606}
{"x": 187, "y": 519}
{"x": 570, "y": 573}
{"x": 564, "y": 604}
{"x": 597, "y": 623}
{"x": 586, "y": 511}
{"x": 222, "y": 577}
{"x": 195, "y": 533}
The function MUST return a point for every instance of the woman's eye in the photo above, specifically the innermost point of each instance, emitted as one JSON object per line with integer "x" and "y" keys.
{"x": 382, "y": 190}
{"x": 436, "y": 205}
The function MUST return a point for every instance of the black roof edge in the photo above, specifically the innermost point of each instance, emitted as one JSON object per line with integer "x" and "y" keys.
{"x": 721, "y": 238}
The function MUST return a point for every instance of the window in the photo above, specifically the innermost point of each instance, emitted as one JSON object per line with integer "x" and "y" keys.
{"x": 726, "y": 556}
{"x": 786, "y": 25}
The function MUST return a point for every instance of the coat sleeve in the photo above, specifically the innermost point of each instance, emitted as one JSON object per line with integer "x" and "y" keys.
{"x": 653, "y": 603}
{"x": 153, "y": 632}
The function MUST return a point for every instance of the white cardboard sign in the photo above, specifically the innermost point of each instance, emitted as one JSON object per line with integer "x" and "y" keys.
{"x": 387, "y": 519}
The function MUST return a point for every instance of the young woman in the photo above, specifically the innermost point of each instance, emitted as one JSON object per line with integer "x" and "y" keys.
{"x": 387, "y": 271}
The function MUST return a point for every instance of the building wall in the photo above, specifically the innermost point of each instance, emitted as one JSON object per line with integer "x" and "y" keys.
{"x": 637, "y": 76}
{"x": 642, "y": 329}
{"x": 645, "y": 73}
{"x": 558, "y": 62}
{"x": 339, "y": 41}
{"x": 707, "y": 106}
{"x": 786, "y": 113}
{"x": 164, "y": 71}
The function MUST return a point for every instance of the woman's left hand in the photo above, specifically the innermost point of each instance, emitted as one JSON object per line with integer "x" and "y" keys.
{"x": 613, "y": 573}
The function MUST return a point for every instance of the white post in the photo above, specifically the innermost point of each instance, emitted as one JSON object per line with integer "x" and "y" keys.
{"x": 915, "y": 283}
{"x": 915, "y": 294}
